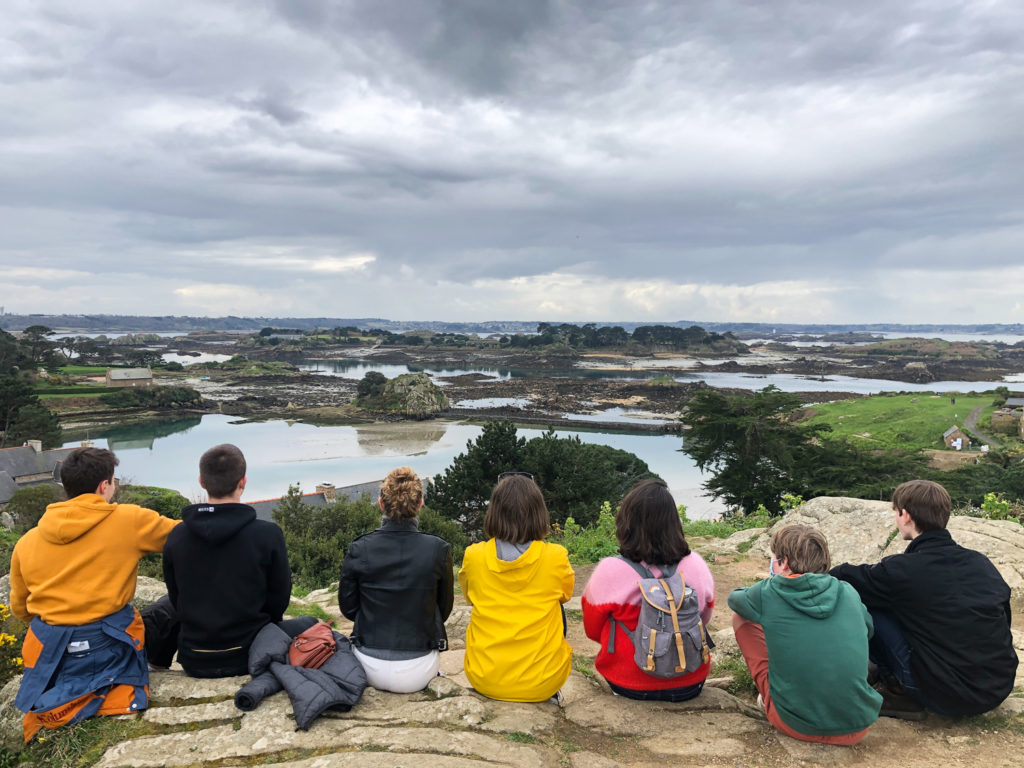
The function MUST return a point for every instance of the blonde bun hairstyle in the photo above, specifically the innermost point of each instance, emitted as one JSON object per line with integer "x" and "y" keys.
{"x": 401, "y": 494}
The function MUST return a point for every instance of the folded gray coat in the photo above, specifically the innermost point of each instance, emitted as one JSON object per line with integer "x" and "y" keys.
{"x": 338, "y": 684}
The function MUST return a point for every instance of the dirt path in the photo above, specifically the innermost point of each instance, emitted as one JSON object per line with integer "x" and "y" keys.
{"x": 971, "y": 425}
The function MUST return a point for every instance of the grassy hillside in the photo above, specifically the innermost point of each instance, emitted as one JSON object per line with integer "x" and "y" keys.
{"x": 900, "y": 421}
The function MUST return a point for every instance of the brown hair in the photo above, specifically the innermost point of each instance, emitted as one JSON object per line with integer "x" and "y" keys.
{"x": 221, "y": 469}
{"x": 927, "y": 503}
{"x": 517, "y": 513}
{"x": 804, "y": 547}
{"x": 648, "y": 527}
{"x": 401, "y": 494}
{"x": 85, "y": 468}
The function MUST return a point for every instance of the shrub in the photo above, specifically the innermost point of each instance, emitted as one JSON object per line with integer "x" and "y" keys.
{"x": 12, "y": 632}
{"x": 590, "y": 544}
{"x": 7, "y": 541}
{"x": 163, "y": 500}
{"x": 28, "y": 504}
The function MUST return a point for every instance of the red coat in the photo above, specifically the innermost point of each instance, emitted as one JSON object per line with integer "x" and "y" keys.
{"x": 613, "y": 592}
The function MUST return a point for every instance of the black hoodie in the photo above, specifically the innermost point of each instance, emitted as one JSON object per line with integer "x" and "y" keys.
{"x": 227, "y": 575}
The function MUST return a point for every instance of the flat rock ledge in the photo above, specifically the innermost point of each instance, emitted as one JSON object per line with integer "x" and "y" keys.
{"x": 194, "y": 722}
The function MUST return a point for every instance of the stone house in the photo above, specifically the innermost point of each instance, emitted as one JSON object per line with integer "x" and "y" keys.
{"x": 28, "y": 465}
{"x": 956, "y": 439}
{"x": 324, "y": 494}
{"x": 129, "y": 377}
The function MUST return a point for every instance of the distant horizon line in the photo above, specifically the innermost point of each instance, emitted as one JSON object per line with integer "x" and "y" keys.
{"x": 777, "y": 326}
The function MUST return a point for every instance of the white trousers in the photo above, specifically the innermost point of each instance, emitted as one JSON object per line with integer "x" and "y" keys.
{"x": 400, "y": 675}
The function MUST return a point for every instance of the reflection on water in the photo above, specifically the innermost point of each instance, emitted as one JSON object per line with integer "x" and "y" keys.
{"x": 415, "y": 438}
{"x": 279, "y": 454}
{"x": 202, "y": 357}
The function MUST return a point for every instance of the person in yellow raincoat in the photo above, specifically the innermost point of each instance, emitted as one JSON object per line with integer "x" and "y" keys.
{"x": 515, "y": 645}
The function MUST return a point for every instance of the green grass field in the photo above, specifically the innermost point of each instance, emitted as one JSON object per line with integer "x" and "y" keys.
{"x": 901, "y": 421}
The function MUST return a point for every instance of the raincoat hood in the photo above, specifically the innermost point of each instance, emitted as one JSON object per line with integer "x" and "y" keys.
{"x": 66, "y": 521}
{"x": 813, "y": 594}
{"x": 217, "y": 522}
{"x": 515, "y": 573}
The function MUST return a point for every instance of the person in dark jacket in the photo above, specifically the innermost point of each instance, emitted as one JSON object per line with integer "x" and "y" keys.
{"x": 397, "y": 587}
{"x": 227, "y": 576}
{"x": 941, "y": 612}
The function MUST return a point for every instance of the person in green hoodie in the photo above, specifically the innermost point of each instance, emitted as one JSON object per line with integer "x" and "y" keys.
{"x": 804, "y": 637}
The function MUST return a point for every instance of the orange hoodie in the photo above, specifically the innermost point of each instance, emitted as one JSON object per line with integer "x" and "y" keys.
{"x": 81, "y": 561}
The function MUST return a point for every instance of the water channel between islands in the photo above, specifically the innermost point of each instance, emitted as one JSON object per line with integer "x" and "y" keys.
{"x": 280, "y": 453}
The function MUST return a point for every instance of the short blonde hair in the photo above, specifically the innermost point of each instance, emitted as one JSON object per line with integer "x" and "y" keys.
{"x": 804, "y": 547}
{"x": 401, "y": 493}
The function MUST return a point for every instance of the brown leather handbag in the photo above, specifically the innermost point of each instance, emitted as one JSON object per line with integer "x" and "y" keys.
{"x": 312, "y": 647}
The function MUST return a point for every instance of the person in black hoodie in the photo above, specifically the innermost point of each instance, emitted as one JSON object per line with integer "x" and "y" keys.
{"x": 941, "y": 613}
{"x": 227, "y": 576}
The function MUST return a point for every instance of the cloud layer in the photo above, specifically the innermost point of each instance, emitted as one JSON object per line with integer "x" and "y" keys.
{"x": 467, "y": 160}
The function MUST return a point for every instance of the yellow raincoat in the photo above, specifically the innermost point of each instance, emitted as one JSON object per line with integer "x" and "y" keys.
{"x": 515, "y": 647}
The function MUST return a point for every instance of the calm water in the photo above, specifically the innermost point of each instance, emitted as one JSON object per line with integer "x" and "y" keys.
{"x": 787, "y": 382}
{"x": 279, "y": 453}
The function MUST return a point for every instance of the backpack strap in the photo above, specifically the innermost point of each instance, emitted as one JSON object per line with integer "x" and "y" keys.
{"x": 611, "y": 634}
{"x": 646, "y": 573}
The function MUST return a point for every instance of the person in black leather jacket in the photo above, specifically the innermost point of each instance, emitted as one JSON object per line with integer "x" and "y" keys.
{"x": 397, "y": 586}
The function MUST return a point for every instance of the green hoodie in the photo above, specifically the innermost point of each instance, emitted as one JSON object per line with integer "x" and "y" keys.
{"x": 816, "y": 630}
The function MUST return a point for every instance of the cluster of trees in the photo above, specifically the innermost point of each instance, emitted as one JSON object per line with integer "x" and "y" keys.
{"x": 318, "y": 537}
{"x": 757, "y": 449}
{"x": 649, "y": 338}
{"x": 575, "y": 477}
{"x": 22, "y": 415}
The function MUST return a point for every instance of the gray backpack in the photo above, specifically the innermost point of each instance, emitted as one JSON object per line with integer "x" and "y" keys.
{"x": 669, "y": 639}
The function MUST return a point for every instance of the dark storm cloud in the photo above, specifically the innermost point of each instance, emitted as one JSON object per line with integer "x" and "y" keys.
{"x": 561, "y": 150}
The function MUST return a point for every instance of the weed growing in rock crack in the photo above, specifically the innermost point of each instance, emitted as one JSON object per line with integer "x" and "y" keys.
{"x": 584, "y": 665}
{"x": 81, "y": 744}
{"x": 520, "y": 737}
{"x": 742, "y": 683}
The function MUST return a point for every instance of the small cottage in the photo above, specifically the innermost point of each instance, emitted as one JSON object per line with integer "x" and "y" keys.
{"x": 955, "y": 438}
{"x": 129, "y": 377}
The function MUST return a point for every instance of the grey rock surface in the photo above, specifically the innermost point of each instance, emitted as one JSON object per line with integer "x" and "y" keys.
{"x": 857, "y": 530}
{"x": 10, "y": 718}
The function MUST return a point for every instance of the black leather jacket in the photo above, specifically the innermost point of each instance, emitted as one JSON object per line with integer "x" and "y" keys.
{"x": 397, "y": 586}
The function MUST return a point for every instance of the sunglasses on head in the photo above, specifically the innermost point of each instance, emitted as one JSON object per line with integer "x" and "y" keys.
{"x": 515, "y": 474}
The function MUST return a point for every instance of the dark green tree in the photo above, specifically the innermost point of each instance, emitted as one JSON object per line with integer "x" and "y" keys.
{"x": 372, "y": 384}
{"x": 576, "y": 477}
{"x": 754, "y": 451}
{"x": 462, "y": 492}
{"x": 35, "y": 421}
{"x": 35, "y": 341}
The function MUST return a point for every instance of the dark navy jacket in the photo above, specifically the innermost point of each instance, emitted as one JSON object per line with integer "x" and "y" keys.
{"x": 954, "y": 609}
{"x": 65, "y": 663}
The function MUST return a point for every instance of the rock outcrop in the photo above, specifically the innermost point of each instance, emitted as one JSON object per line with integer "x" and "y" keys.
{"x": 414, "y": 394}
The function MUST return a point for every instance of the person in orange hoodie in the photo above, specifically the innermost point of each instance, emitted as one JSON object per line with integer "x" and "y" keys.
{"x": 73, "y": 577}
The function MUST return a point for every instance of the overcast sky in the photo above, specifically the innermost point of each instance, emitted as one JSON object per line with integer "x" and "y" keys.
{"x": 514, "y": 159}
